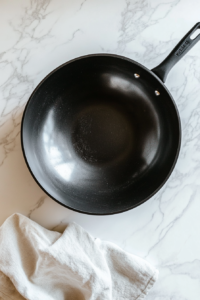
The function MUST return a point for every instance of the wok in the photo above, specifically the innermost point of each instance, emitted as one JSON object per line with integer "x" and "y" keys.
{"x": 101, "y": 133}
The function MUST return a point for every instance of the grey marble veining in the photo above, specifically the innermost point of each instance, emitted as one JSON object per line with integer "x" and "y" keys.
{"x": 39, "y": 35}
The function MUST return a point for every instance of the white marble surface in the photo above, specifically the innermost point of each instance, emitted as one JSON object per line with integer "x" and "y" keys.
{"x": 37, "y": 36}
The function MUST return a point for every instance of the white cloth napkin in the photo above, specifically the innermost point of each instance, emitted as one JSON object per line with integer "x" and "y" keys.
{"x": 39, "y": 264}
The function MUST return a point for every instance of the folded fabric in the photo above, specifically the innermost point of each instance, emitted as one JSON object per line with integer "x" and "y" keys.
{"x": 39, "y": 264}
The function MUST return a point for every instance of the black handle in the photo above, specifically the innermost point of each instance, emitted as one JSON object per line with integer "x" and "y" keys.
{"x": 177, "y": 53}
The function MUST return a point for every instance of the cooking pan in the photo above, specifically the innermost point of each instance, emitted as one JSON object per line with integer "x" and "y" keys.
{"x": 101, "y": 133}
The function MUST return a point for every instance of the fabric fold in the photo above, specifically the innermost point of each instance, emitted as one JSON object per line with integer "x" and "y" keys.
{"x": 36, "y": 263}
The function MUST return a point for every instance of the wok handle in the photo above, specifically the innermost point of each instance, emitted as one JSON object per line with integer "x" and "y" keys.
{"x": 177, "y": 53}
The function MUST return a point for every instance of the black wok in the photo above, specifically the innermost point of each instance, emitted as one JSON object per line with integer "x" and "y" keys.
{"x": 101, "y": 133}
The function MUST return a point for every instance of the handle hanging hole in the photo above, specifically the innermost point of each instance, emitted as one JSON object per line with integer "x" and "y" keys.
{"x": 195, "y": 34}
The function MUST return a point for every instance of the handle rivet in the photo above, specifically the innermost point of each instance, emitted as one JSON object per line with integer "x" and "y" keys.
{"x": 136, "y": 75}
{"x": 157, "y": 93}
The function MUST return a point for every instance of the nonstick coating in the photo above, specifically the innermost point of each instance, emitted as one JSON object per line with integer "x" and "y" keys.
{"x": 97, "y": 139}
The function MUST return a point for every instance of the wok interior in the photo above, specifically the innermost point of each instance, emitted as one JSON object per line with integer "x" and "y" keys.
{"x": 96, "y": 138}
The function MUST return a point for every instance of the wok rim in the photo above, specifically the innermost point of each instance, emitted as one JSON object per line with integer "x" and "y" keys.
{"x": 133, "y": 62}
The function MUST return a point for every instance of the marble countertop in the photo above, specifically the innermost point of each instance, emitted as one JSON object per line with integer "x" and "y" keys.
{"x": 39, "y": 35}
